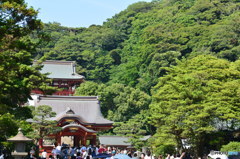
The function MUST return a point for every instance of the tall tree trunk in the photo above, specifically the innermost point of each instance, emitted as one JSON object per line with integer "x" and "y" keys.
{"x": 200, "y": 145}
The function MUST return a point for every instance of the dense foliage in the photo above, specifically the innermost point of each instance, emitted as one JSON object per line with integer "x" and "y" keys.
{"x": 232, "y": 146}
{"x": 41, "y": 124}
{"x": 134, "y": 46}
{"x": 119, "y": 103}
{"x": 197, "y": 97}
{"x": 17, "y": 75}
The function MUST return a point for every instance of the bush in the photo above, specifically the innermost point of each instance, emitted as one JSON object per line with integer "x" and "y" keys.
{"x": 232, "y": 146}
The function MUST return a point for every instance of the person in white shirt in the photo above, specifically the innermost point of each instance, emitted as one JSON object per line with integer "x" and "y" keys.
{"x": 84, "y": 154}
{"x": 44, "y": 154}
{"x": 148, "y": 156}
{"x": 58, "y": 148}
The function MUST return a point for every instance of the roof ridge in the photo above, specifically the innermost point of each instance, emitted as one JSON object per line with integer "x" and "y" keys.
{"x": 68, "y": 97}
{"x": 56, "y": 62}
{"x": 113, "y": 136}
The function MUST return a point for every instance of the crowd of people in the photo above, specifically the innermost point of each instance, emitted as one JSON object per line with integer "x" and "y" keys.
{"x": 82, "y": 152}
{"x": 90, "y": 152}
{"x": 65, "y": 151}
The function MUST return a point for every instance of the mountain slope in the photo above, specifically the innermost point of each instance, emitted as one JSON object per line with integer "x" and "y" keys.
{"x": 134, "y": 46}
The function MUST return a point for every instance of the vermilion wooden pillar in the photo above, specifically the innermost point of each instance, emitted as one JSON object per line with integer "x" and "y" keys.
{"x": 76, "y": 141}
{"x": 85, "y": 139}
{"x": 58, "y": 139}
{"x": 94, "y": 139}
{"x": 40, "y": 143}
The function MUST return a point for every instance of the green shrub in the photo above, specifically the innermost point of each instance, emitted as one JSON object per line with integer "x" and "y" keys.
{"x": 232, "y": 146}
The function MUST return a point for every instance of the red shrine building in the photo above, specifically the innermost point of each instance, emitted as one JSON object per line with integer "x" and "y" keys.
{"x": 79, "y": 117}
{"x": 63, "y": 75}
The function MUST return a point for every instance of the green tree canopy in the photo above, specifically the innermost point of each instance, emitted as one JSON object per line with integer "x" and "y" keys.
{"x": 196, "y": 97}
{"x": 136, "y": 128}
{"x": 118, "y": 102}
{"x": 8, "y": 126}
{"x": 18, "y": 77}
{"x": 134, "y": 46}
{"x": 232, "y": 146}
{"x": 42, "y": 124}
{"x": 18, "y": 24}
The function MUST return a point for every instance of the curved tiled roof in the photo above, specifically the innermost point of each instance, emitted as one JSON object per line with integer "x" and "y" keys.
{"x": 114, "y": 140}
{"x": 60, "y": 69}
{"x": 87, "y": 109}
{"x": 78, "y": 126}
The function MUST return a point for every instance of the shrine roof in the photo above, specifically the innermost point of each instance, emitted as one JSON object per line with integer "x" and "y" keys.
{"x": 60, "y": 69}
{"x": 118, "y": 140}
{"x": 114, "y": 140}
{"x": 78, "y": 126}
{"x": 85, "y": 108}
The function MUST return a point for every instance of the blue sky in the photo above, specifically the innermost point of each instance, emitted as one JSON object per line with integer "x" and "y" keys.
{"x": 78, "y": 13}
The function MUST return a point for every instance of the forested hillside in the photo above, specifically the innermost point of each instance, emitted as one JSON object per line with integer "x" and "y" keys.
{"x": 129, "y": 54}
{"x": 134, "y": 46}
